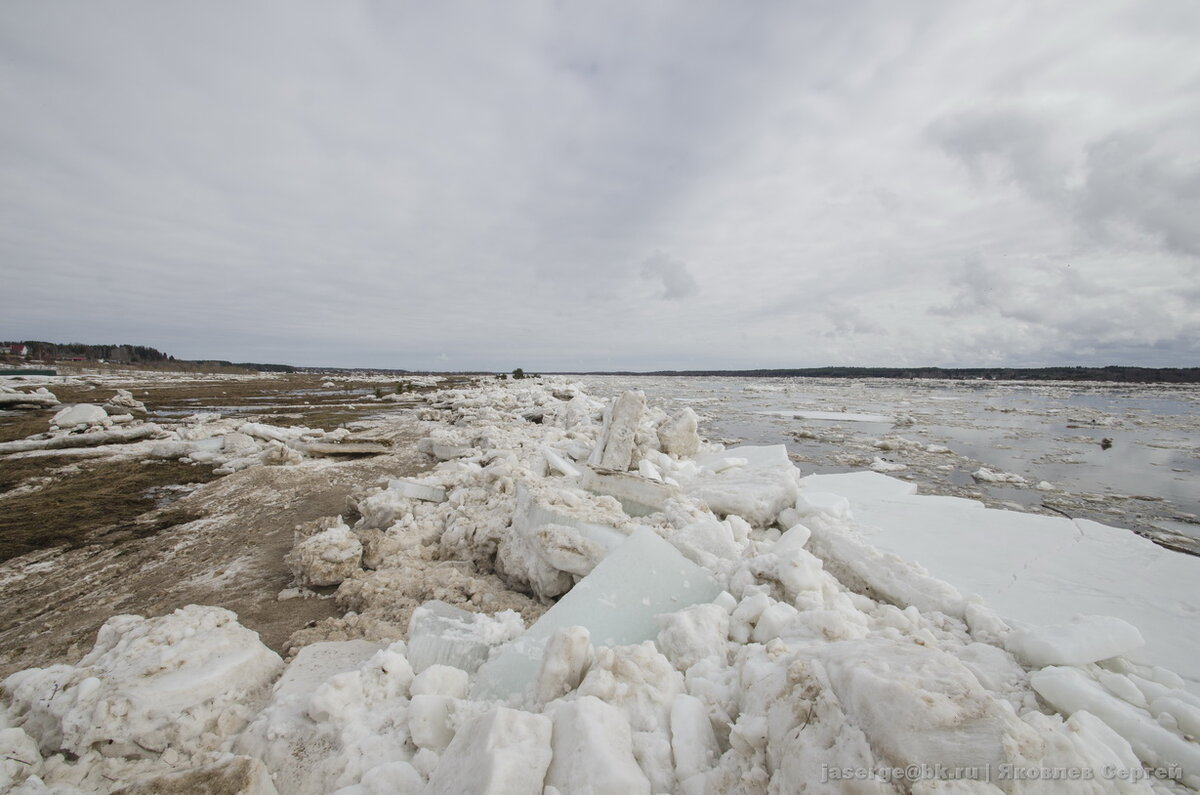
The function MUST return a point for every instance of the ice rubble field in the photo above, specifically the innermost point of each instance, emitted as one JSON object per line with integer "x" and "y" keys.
{"x": 119, "y": 429}
{"x": 721, "y": 624}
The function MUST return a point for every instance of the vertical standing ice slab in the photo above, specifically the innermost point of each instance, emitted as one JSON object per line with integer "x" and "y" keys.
{"x": 617, "y": 603}
{"x": 614, "y": 448}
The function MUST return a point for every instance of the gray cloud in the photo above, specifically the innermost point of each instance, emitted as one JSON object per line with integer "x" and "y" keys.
{"x": 387, "y": 184}
{"x": 1127, "y": 182}
{"x": 676, "y": 280}
{"x": 1130, "y": 184}
{"x": 1014, "y": 143}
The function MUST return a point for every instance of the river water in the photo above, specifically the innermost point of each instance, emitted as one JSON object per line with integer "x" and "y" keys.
{"x": 1126, "y": 455}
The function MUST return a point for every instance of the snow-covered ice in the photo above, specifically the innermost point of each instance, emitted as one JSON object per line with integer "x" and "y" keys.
{"x": 1032, "y": 569}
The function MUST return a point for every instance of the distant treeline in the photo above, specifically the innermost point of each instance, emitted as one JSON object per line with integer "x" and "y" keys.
{"x": 122, "y": 354}
{"x": 39, "y": 350}
{"x": 1135, "y": 375}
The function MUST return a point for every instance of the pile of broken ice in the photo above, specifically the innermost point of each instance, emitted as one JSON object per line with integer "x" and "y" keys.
{"x": 228, "y": 444}
{"x": 716, "y": 623}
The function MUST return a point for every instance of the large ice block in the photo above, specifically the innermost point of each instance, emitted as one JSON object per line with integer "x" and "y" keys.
{"x": 532, "y": 513}
{"x": 417, "y": 491}
{"x": 615, "y": 445}
{"x": 442, "y": 634}
{"x": 639, "y": 496}
{"x": 755, "y": 483}
{"x": 501, "y": 752}
{"x": 617, "y": 603}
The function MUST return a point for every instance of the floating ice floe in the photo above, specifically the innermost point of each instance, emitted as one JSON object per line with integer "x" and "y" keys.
{"x": 989, "y": 476}
{"x": 842, "y": 416}
{"x": 883, "y": 465}
{"x": 1033, "y": 569}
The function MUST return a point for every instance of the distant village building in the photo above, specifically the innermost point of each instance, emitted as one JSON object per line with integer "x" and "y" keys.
{"x": 14, "y": 350}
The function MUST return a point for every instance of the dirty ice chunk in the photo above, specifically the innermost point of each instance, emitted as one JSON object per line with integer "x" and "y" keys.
{"x": 503, "y": 751}
{"x": 638, "y": 495}
{"x": 552, "y": 536}
{"x": 123, "y": 402}
{"x": 441, "y": 634}
{"x": 757, "y": 491}
{"x": 1069, "y": 691}
{"x": 678, "y": 436}
{"x": 883, "y": 465}
{"x": 614, "y": 446}
{"x": 445, "y": 450}
{"x": 559, "y": 463}
{"x": 1082, "y": 640}
{"x": 593, "y": 750}
{"x": 617, "y": 603}
{"x": 326, "y": 558}
{"x": 416, "y": 491}
{"x": 126, "y": 696}
{"x": 234, "y": 774}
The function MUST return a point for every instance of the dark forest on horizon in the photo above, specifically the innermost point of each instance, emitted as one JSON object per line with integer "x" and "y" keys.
{"x": 142, "y": 355}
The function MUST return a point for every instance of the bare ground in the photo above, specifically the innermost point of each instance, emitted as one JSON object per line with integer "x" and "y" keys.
{"x": 54, "y": 600}
{"x": 86, "y": 542}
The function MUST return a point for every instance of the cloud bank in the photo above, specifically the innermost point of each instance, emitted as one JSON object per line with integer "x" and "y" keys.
{"x": 565, "y": 186}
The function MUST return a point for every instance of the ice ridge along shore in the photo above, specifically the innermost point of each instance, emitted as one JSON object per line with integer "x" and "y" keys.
{"x": 588, "y": 597}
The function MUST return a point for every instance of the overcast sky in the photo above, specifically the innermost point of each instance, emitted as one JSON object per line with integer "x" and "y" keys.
{"x": 616, "y": 185}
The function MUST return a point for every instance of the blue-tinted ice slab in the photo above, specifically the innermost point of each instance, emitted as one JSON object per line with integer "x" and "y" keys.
{"x": 638, "y": 495}
{"x": 441, "y": 634}
{"x": 643, "y": 577}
